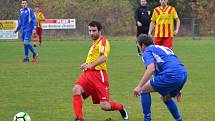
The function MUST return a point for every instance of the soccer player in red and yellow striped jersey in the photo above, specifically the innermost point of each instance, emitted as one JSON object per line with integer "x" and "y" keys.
{"x": 163, "y": 20}
{"x": 39, "y": 30}
{"x": 94, "y": 79}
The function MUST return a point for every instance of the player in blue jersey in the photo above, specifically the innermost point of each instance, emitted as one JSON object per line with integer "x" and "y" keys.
{"x": 27, "y": 22}
{"x": 169, "y": 76}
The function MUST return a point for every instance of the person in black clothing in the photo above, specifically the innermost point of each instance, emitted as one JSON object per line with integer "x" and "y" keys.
{"x": 143, "y": 19}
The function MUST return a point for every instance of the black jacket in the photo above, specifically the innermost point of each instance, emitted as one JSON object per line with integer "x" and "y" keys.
{"x": 143, "y": 14}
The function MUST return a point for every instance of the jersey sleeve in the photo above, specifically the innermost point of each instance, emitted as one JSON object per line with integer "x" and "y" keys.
{"x": 19, "y": 21}
{"x": 175, "y": 15}
{"x": 154, "y": 14}
{"x": 33, "y": 18}
{"x": 148, "y": 57}
{"x": 42, "y": 17}
{"x": 136, "y": 15}
{"x": 104, "y": 48}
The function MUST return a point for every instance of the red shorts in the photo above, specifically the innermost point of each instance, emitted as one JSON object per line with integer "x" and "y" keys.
{"x": 39, "y": 31}
{"x": 95, "y": 84}
{"x": 163, "y": 41}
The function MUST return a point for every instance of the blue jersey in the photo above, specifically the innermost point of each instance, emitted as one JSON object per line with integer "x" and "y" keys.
{"x": 27, "y": 20}
{"x": 166, "y": 62}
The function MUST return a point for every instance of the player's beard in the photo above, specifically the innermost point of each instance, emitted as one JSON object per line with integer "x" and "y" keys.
{"x": 94, "y": 37}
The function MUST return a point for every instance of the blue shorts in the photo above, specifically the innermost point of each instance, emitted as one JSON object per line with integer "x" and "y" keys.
{"x": 168, "y": 84}
{"x": 26, "y": 36}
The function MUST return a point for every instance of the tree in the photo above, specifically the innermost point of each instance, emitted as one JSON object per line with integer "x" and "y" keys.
{"x": 116, "y": 15}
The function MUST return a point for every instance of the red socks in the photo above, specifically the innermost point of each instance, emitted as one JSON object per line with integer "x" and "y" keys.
{"x": 77, "y": 106}
{"x": 116, "y": 106}
{"x": 34, "y": 39}
{"x": 40, "y": 39}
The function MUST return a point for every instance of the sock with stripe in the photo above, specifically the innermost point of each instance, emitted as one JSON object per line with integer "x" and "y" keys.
{"x": 145, "y": 99}
{"x": 25, "y": 51}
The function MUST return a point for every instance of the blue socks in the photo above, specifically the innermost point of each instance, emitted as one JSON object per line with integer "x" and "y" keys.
{"x": 171, "y": 105}
{"x": 31, "y": 49}
{"x": 25, "y": 51}
{"x": 145, "y": 99}
{"x": 146, "y": 107}
{"x": 26, "y": 47}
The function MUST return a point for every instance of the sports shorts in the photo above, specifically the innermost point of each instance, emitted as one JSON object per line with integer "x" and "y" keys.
{"x": 39, "y": 31}
{"x": 26, "y": 36}
{"x": 163, "y": 41}
{"x": 95, "y": 84}
{"x": 168, "y": 85}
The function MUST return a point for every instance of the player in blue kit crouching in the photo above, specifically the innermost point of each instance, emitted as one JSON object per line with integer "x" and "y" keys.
{"x": 27, "y": 22}
{"x": 169, "y": 78}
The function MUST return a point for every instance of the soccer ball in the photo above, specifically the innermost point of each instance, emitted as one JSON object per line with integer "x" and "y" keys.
{"x": 22, "y": 116}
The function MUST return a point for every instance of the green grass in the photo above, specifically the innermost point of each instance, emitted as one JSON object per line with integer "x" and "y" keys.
{"x": 43, "y": 89}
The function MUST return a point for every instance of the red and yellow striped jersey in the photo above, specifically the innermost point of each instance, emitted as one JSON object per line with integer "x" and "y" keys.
{"x": 164, "y": 19}
{"x": 100, "y": 47}
{"x": 39, "y": 17}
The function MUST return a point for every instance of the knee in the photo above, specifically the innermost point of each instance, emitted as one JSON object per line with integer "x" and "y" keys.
{"x": 144, "y": 89}
{"x": 165, "y": 98}
{"x": 147, "y": 88}
{"x": 26, "y": 42}
{"x": 77, "y": 89}
{"x": 105, "y": 106}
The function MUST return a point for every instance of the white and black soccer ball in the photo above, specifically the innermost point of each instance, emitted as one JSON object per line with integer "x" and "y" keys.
{"x": 22, "y": 116}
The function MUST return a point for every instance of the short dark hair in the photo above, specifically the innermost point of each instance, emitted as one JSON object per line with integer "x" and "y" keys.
{"x": 95, "y": 24}
{"x": 144, "y": 39}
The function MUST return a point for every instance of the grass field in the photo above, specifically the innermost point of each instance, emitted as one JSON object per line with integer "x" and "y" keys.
{"x": 43, "y": 89}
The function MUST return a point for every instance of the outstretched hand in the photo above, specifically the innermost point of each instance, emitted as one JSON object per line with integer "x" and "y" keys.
{"x": 139, "y": 24}
{"x": 137, "y": 91}
{"x": 34, "y": 31}
{"x": 85, "y": 66}
{"x": 150, "y": 35}
{"x": 15, "y": 31}
{"x": 175, "y": 32}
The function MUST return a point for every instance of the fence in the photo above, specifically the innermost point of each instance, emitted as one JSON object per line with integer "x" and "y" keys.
{"x": 190, "y": 27}
{"x": 197, "y": 28}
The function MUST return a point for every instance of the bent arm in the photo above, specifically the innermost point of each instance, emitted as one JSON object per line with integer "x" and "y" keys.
{"x": 100, "y": 60}
{"x": 147, "y": 75}
{"x": 19, "y": 24}
{"x": 151, "y": 27}
{"x": 18, "y": 27}
{"x": 33, "y": 19}
{"x": 136, "y": 15}
{"x": 137, "y": 18}
{"x": 42, "y": 17}
{"x": 178, "y": 23}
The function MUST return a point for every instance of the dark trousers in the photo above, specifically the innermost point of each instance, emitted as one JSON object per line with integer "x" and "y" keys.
{"x": 141, "y": 30}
